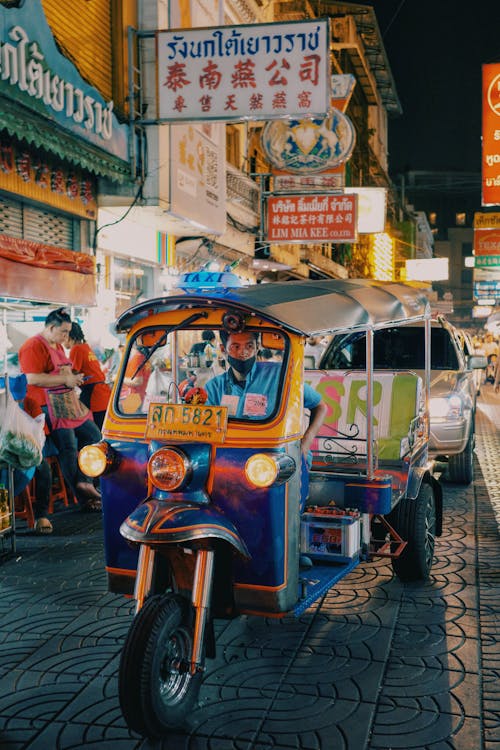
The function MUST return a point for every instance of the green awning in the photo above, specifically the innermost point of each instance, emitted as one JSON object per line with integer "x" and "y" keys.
{"x": 26, "y": 125}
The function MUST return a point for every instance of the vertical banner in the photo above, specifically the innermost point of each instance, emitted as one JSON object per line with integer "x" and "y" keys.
{"x": 198, "y": 151}
{"x": 491, "y": 135}
{"x": 165, "y": 249}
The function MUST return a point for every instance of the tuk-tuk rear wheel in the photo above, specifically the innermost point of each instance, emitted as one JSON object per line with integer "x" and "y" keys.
{"x": 156, "y": 689}
{"x": 415, "y": 522}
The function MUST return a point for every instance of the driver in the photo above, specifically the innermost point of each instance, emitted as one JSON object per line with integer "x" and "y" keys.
{"x": 249, "y": 388}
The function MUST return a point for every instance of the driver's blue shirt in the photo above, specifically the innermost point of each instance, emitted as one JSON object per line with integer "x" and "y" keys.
{"x": 255, "y": 397}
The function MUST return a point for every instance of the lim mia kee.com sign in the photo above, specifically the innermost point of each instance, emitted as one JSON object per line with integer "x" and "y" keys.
{"x": 311, "y": 218}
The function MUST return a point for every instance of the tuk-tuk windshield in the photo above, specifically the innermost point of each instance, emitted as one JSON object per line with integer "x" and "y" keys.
{"x": 241, "y": 370}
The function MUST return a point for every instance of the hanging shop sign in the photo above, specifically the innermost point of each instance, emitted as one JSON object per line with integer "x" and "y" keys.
{"x": 198, "y": 174}
{"x": 311, "y": 218}
{"x": 332, "y": 180}
{"x": 486, "y": 220}
{"x": 34, "y": 176}
{"x": 308, "y": 146}
{"x": 486, "y": 248}
{"x": 34, "y": 73}
{"x": 491, "y": 135}
{"x": 258, "y": 72}
{"x": 342, "y": 88}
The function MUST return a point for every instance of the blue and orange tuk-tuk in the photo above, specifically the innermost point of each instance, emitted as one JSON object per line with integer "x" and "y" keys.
{"x": 203, "y": 500}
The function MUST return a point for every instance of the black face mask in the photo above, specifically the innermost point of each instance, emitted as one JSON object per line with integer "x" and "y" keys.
{"x": 243, "y": 366}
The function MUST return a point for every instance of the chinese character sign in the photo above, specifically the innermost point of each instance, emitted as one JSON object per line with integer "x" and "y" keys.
{"x": 491, "y": 135}
{"x": 262, "y": 71}
{"x": 311, "y": 218}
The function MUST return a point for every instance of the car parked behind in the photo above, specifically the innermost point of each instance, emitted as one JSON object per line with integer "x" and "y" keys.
{"x": 452, "y": 385}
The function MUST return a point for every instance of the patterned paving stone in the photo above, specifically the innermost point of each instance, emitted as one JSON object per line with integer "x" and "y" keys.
{"x": 375, "y": 665}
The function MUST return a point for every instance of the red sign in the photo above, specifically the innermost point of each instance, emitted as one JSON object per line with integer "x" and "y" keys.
{"x": 311, "y": 218}
{"x": 491, "y": 135}
{"x": 486, "y": 242}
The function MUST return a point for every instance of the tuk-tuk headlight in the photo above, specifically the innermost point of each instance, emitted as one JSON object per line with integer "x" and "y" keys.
{"x": 168, "y": 469}
{"x": 264, "y": 469}
{"x": 94, "y": 460}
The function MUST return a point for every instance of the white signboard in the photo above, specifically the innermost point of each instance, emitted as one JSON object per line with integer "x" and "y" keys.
{"x": 198, "y": 174}
{"x": 427, "y": 269}
{"x": 372, "y": 204}
{"x": 198, "y": 151}
{"x": 257, "y": 72}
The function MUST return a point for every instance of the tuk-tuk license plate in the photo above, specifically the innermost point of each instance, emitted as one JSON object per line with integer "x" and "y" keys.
{"x": 205, "y": 424}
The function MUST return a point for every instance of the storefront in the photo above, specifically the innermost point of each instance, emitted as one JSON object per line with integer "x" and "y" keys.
{"x": 58, "y": 137}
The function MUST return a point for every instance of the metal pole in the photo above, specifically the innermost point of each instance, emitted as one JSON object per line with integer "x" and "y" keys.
{"x": 369, "y": 405}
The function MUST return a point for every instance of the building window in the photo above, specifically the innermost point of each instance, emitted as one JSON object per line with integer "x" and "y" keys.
{"x": 460, "y": 219}
{"x": 466, "y": 249}
{"x": 433, "y": 218}
{"x": 467, "y": 276}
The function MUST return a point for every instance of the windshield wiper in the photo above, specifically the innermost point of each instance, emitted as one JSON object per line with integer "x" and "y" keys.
{"x": 163, "y": 339}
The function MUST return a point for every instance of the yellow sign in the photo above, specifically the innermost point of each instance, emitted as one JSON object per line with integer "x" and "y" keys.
{"x": 486, "y": 221}
{"x": 187, "y": 422}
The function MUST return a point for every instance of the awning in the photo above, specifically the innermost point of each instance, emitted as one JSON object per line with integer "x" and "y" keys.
{"x": 26, "y": 125}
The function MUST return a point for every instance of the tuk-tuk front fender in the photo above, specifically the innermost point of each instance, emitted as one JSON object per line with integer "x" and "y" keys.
{"x": 165, "y": 522}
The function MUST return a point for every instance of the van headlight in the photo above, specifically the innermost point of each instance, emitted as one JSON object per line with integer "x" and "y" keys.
{"x": 445, "y": 409}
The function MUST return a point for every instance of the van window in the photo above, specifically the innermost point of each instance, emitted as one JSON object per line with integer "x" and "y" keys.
{"x": 399, "y": 348}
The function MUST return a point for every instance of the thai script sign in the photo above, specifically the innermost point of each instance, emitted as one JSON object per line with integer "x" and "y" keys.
{"x": 311, "y": 218}
{"x": 491, "y": 135}
{"x": 487, "y": 220}
{"x": 261, "y": 71}
{"x": 32, "y": 70}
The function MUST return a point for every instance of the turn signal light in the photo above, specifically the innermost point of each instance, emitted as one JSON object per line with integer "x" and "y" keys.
{"x": 94, "y": 460}
{"x": 168, "y": 469}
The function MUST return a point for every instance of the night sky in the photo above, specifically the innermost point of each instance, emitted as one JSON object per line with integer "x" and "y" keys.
{"x": 435, "y": 50}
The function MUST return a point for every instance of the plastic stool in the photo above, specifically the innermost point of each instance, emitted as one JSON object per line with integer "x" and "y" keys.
{"x": 23, "y": 504}
{"x": 58, "y": 489}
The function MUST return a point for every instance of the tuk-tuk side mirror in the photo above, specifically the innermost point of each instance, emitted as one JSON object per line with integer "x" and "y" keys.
{"x": 149, "y": 338}
{"x": 272, "y": 340}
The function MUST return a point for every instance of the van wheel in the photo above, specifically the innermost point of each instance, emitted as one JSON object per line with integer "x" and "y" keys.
{"x": 461, "y": 466}
{"x": 415, "y": 522}
{"x": 156, "y": 689}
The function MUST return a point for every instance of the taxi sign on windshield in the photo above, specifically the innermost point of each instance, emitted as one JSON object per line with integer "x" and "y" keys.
{"x": 189, "y": 422}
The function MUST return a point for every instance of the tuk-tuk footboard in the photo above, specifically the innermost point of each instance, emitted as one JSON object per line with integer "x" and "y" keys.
{"x": 317, "y": 581}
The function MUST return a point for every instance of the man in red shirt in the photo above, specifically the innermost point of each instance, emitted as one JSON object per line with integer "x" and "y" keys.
{"x": 44, "y": 362}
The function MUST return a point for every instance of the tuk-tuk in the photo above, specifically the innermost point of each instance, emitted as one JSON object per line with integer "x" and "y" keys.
{"x": 203, "y": 491}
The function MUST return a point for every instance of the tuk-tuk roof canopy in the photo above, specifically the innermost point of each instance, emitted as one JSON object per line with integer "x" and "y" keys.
{"x": 305, "y": 307}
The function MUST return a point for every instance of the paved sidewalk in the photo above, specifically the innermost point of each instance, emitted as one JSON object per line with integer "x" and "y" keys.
{"x": 374, "y": 665}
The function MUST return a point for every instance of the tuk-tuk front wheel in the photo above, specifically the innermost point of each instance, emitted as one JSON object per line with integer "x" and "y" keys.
{"x": 415, "y": 522}
{"x": 156, "y": 689}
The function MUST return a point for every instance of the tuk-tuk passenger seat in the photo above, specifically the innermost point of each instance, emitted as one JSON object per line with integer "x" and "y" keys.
{"x": 342, "y": 438}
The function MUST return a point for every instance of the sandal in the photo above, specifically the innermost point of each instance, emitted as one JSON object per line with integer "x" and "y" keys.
{"x": 93, "y": 505}
{"x": 43, "y": 526}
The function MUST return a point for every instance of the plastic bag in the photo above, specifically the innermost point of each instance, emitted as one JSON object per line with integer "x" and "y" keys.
{"x": 21, "y": 437}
